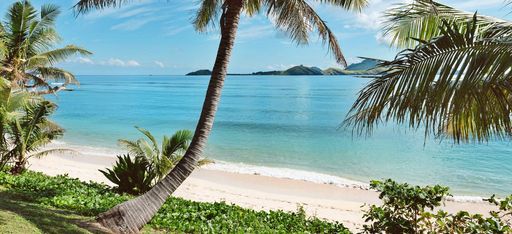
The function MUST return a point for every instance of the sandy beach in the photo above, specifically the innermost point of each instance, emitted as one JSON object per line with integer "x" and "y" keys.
{"x": 247, "y": 190}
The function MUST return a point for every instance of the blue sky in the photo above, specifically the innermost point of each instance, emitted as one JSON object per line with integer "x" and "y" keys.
{"x": 156, "y": 37}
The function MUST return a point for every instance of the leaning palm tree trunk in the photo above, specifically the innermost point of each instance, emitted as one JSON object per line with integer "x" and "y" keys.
{"x": 131, "y": 216}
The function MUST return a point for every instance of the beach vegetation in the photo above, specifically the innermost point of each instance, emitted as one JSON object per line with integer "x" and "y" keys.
{"x": 415, "y": 209}
{"x": 29, "y": 52}
{"x": 298, "y": 19}
{"x": 175, "y": 216}
{"x": 130, "y": 174}
{"x": 452, "y": 80}
{"x": 162, "y": 158}
{"x": 25, "y": 127}
{"x": 20, "y": 216}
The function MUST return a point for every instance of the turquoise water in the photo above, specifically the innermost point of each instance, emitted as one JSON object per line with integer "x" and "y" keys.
{"x": 285, "y": 122}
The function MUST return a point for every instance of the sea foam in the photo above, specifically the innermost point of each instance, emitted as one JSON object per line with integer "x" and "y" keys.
{"x": 285, "y": 173}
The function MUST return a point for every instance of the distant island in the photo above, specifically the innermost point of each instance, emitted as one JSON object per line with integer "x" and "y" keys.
{"x": 367, "y": 66}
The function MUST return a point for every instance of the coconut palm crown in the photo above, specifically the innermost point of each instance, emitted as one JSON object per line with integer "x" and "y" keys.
{"x": 29, "y": 56}
{"x": 295, "y": 17}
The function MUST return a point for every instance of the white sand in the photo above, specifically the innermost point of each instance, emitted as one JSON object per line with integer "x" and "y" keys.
{"x": 251, "y": 191}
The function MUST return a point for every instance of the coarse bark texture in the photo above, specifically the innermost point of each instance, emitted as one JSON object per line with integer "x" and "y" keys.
{"x": 131, "y": 216}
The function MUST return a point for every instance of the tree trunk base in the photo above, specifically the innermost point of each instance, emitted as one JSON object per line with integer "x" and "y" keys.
{"x": 114, "y": 220}
{"x": 18, "y": 168}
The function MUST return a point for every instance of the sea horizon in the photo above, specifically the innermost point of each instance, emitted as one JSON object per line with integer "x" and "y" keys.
{"x": 270, "y": 123}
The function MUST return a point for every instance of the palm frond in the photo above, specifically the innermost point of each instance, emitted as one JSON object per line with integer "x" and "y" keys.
{"x": 83, "y": 6}
{"x": 150, "y": 136}
{"x": 5, "y": 91}
{"x": 357, "y": 5}
{"x": 56, "y": 74}
{"x": 179, "y": 141}
{"x": 297, "y": 18}
{"x": 48, "y": 14}
{"x": 132, "y": 147}
{"x": 252, "y": 7}
{"x": 58, "y": 55}
{"x": 207, "y": 14}
{"x": 148, "y": 152}
{"x": 422, "y": 20}
{"x": 457, "y": 84}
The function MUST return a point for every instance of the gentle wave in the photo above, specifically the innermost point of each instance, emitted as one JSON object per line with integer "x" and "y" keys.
{"x": 87, "y": 150}
{"x": 470, "y": 199}
{"x": 242, "y": 168}
{"x": 285, "y": 173}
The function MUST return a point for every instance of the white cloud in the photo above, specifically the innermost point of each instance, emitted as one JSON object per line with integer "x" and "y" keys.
{"x": 381, "y": 39}
{"x": 83, "y": 60}
{"x": 115, "y": 62}
{"x": 120, "y": 63}
{"x": 134, "y": 24}
{"x": 171, "y": 31}
{"x": 256, "y": 31}
{"x": 478, "y": 4}
{"x": 136, "y": 12}
{"x": 132, "y": 63}
{"x": 248, "y": 33}
{"x": 160, "y": 64}
{"x": 371, "y": 17}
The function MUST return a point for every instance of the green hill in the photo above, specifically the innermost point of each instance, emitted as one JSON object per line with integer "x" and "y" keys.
{"x": 366, "y": 67}
{"x": 204, "y": 72}
{"x": 303, "y": 71}
{"x": 366, "y": 64}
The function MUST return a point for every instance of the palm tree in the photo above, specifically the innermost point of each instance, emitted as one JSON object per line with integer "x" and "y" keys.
{"x": 160, "y": 160}
{"x": 31, "y": 133}
{"x": 11, "y": 103}
{"x": 24, "y": 127}
{"x": 296, "y": 17}
{"x": 455, "y": 80}
{"x": 28, "y": 41}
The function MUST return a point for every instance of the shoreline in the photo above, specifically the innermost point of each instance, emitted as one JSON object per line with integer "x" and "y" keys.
{"x": 249, "y": 169}
{"x": 258, "y": 192}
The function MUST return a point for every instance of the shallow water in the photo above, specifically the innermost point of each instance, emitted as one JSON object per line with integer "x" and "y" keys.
{"x": 283, "y": 122}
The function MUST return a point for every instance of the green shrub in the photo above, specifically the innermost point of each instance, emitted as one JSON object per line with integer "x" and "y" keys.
{"x": 176, "y": 215}
{"x": 63, "y": 192}
{"x": 409, "y": 209}
{"x": 198, "y": 217}
{"x": 130, "y": 176}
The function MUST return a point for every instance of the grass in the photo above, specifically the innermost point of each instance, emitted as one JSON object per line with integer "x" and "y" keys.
{"x": 20, "y": 216}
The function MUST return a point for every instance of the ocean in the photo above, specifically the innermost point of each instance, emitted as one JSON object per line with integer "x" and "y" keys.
{"x": 279, "y": 126}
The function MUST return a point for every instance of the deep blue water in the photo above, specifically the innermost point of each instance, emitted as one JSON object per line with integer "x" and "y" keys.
{"x": 290, "y": 122}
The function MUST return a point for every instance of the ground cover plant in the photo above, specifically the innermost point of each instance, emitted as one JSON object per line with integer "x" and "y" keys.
{"x": 176, "y": 215}
{"x": 415, "y": 209}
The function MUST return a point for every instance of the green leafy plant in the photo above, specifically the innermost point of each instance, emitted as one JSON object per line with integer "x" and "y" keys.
{"x": 410, "y": 209}
{"x": 131, "y": 177}
{"x": 160, "y": 159}
{"x": 176, "y": 216}
{"x": 402, "y": 207}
